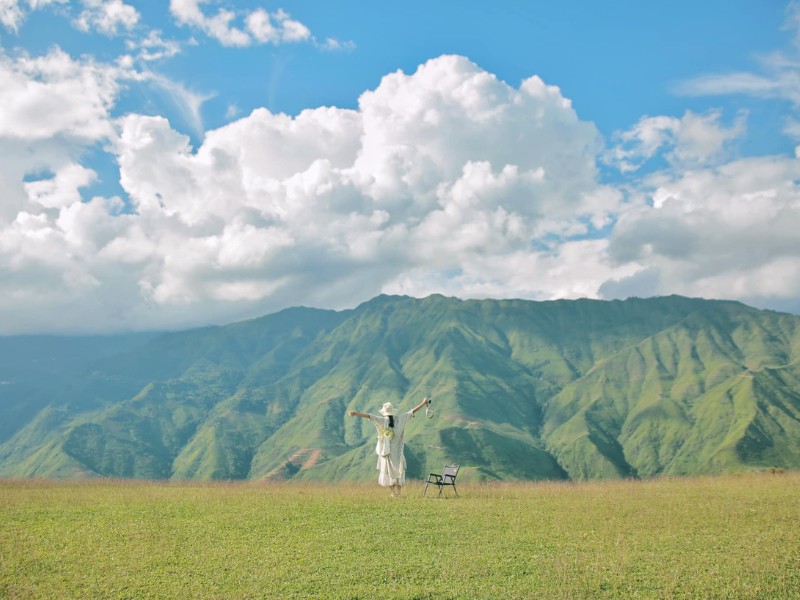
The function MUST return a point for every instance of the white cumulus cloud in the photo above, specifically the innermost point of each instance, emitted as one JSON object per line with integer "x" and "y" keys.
{"x": 51, "y": 95}
{"x": 62, "y": 189}
{"x": 13, "y": 12}
{"x": 54, "y": 108}
{"x": 242, "y": 28}
{"x": 107, "y": 16}
{"x": 690, "y": 141}
{"x": 443, "y": 180}
{"x": 447, "y": 177}
{"x": 724, "y": 232}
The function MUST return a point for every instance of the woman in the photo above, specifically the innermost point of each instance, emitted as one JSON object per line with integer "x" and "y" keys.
{"x": 391, "y": 460}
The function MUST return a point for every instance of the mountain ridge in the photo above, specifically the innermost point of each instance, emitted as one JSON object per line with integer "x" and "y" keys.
{"x": 565, "y": 389}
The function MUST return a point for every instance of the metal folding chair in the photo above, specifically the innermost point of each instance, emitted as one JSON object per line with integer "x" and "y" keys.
{"x": 448, "y": 477}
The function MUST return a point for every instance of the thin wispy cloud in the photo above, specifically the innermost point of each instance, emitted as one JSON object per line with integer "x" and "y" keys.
{"x": 153, "y": 47}
{"x": 777, "y": 78}
{"x": 187, "y": 102}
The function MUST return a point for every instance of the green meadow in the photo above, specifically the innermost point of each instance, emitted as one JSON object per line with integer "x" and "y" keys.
{"x": 714, "y": 537}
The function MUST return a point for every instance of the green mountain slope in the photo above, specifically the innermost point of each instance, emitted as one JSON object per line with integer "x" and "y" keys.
{"x": 522, "y": 390}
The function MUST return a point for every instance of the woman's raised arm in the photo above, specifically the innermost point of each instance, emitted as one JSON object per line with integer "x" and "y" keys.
{"x": 425, "y": 400}
{"x": 355, "y": 413}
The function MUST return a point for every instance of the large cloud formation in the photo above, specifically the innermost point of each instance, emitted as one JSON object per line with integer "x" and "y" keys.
{"x": 445, "y": 180}
{"x": 729, "y": 231}
{"x": 444, "y": 171}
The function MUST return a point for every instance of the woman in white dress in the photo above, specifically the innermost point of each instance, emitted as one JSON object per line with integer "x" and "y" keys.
{"x": 391, "y": 460}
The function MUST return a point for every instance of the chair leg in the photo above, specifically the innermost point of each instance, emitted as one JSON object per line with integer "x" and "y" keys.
{"x": 441, "y": 489}
{"x": 455, "y": 490}
{"x": 425, "y": 491}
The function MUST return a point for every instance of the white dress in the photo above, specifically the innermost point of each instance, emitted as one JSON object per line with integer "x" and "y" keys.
{"x": 391, "y": 460}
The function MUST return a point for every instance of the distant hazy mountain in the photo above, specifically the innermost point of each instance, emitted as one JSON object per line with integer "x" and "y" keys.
{"x": 521, "y": 390}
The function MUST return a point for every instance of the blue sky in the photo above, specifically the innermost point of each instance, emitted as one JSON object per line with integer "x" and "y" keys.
{"x": 617, "y": 61}
{"x": 189, "y": 162}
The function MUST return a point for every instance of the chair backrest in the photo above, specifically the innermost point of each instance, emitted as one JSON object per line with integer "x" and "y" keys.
{"x": 449, "y": 473}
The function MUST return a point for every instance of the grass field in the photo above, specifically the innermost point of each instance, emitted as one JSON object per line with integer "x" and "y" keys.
{"x": 720, "y": 537}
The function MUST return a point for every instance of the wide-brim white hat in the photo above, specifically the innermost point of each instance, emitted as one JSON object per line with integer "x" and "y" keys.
{"x": 387, "y": 409}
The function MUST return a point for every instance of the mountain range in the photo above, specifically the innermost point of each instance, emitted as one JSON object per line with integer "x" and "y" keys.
{"x": 521, "y": 390}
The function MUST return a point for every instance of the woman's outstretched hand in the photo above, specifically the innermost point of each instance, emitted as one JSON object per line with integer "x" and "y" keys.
{"x": 352, "y": 413}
